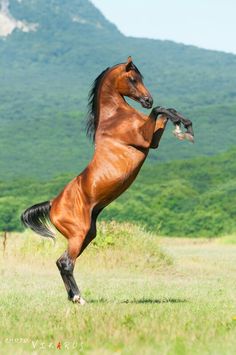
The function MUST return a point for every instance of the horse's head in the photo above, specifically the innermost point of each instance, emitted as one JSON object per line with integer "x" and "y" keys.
{"x": 129, "y": 83}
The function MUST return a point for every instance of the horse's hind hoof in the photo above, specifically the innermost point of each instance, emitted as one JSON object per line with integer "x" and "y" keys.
{"x": 78, "y": 299}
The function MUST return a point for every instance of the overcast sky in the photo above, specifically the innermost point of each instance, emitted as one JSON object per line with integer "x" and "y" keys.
{"x": 205, "y": 23}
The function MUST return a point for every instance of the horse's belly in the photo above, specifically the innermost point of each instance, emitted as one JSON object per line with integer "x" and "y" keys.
{"x": 109, "y": 179}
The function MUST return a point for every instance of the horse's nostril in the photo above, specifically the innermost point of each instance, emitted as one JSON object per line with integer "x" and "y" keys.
{"x": 148, "y": 100}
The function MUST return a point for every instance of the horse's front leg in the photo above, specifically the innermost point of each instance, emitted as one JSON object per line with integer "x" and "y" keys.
{"x": 160, "y": 125}
{"x": 170, "y": 114}
{"x": 159, "y": 130}
{"x": 189, "y": 134}
{"x": 178, "y": 133}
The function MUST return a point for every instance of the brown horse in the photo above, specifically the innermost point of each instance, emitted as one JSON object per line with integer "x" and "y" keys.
{"x": 123, "y": 137}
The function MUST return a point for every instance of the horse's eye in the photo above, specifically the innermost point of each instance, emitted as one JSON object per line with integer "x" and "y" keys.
{"x": 132, "y": 80}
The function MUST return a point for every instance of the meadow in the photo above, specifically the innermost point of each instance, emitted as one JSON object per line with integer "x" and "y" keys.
{"x": 145, "y": 294}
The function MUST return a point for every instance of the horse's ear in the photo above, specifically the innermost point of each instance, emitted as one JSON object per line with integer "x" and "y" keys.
{"x": 129, "y": 64}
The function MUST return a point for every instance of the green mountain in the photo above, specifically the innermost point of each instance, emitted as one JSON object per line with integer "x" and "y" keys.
{"x": 180, "y": 198}
{"x": 51, "y": 51}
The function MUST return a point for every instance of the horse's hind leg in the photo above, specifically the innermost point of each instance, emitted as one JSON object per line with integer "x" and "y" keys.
{"x": 66, "y": 262}
{"x": 66, "y": 265}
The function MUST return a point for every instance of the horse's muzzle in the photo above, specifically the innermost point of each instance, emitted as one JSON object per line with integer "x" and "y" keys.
{"x": 146, "y": 101}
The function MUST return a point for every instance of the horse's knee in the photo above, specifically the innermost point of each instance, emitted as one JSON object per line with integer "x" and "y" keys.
{"x": 156, "y": 111}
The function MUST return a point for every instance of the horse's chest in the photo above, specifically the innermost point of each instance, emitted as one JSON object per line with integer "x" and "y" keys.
{"x": 139, "y": 133}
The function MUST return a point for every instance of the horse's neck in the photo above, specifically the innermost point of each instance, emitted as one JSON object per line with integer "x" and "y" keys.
{"x": 110, "y": 101}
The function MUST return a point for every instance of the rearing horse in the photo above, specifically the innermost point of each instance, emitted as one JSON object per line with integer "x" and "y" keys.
{"x": 123, "y": 137}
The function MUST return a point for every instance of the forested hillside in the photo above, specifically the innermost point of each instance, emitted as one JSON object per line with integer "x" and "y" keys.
{"x": 46, "y": 73}
{"x": 182, "y": 198}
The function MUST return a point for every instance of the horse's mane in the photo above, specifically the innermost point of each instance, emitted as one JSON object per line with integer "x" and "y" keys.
{"x": 92, "y": 117}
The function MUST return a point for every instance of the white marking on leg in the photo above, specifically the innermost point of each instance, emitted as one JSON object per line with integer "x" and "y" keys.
{"x": 78, "y": 299}
{"x": 178, "y": 133}
{"x": 189, "y": 137}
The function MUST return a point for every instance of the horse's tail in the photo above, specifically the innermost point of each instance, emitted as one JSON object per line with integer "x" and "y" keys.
{"x": 37, "y": 218}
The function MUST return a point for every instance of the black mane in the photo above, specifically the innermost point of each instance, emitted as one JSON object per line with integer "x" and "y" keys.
{"x": 92, "y": 119}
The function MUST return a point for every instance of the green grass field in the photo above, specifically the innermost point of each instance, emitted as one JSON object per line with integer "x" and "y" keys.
{"x": 145, "y": 294}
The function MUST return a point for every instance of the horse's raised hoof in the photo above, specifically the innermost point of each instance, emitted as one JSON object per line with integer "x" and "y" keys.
{"x": 78, "y": 299}
{"x": 178, "y": 133}
{"x": 180, "y": 136}
{"x": 189, "y": 137}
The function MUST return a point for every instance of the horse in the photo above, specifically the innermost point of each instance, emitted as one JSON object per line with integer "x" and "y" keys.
{"x": 122, "y": 137}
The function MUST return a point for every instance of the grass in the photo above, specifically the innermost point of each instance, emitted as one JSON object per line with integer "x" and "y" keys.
{"x": 145, "y": 294}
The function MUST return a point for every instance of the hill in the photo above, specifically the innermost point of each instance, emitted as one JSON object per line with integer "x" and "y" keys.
{"x": 50, "y": 52}
{"x": 179, "y": 198}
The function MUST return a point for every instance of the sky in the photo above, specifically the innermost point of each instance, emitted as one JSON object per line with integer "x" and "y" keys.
{"x": 208, "y": 24}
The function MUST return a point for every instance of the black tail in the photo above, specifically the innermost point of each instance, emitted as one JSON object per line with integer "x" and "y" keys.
{"x": 37, "y": 218}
